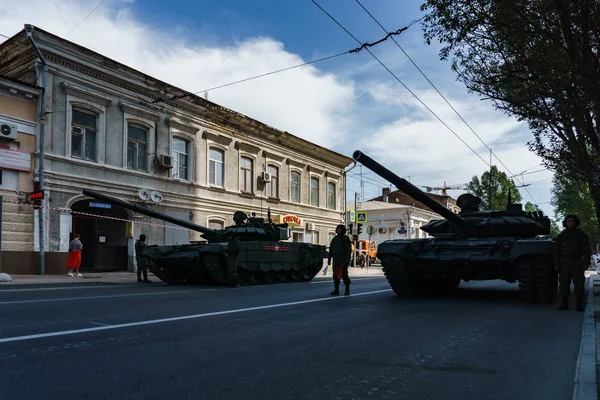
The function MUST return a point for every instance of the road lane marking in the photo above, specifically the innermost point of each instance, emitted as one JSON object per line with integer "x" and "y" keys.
{"x": 98, "y": 323}
{"x": 172, "y": 319}
{"x": 86, "y": 298}
{"x": 77, "y": 286}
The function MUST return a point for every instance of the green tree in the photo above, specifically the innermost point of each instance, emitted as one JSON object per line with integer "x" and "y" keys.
{"x": 572, "y": 196}
{"x": 499, "y": 184}
{"x": 536, "y": 60}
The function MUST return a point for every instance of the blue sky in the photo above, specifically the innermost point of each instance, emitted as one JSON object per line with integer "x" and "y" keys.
{"x": 346, "y": 103}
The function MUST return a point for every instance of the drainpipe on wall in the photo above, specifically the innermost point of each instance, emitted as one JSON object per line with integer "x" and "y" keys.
{"x": 344, "y": 172}
{"x": 29, "y": 29}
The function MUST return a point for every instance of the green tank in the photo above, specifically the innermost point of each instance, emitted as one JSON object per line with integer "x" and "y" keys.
{"x": 264, "y": 255}
{"x": 474, "y": 244}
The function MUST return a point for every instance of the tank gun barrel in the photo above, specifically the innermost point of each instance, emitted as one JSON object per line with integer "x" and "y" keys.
{"x": 409, "y": 189}
{"x": 146, "y": 211}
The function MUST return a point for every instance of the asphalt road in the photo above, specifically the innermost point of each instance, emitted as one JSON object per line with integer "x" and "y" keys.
{"x": 288, "y": 341}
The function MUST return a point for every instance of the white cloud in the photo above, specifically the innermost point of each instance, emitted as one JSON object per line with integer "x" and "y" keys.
{"x": 353, "y": 108}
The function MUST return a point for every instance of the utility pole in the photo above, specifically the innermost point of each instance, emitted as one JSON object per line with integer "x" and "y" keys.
{"x": 355, "y": 242}
{"x": 490, "y": 184}
{"x": 29, "y": 30}
{"x": 362, "y": 184}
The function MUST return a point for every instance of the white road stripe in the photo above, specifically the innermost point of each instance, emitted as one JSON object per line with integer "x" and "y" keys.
{"x": 194, "y": 316}
{"x": 80, "y": 286}
{"x": 86, "y": 298}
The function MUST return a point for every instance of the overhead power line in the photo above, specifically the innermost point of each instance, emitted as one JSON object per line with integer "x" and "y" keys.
{"x": 4, "y": 36}
{"x": 402, "y": 83}
{"x": 355, "y": 50}
{"x": 446, "y": 100}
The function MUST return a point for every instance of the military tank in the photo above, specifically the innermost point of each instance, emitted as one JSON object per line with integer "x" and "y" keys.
{"x": 471, "y": 245}
{"x": 263, "y": 257}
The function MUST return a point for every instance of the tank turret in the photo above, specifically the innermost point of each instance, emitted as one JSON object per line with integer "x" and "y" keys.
{"x": 246, "y": 228}
{"x": 470, "y": 222}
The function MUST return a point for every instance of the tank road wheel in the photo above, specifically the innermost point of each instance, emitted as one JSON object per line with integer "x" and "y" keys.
{"x": 269, "y": 276}
{"x": 307, "y": 273}
{"x": 537, "y": 280}
{"x": 283, "y": 275}
{"x": 296, "y": 275}
{"x": 217, "y": 267}
{"x": 399, "y": 277}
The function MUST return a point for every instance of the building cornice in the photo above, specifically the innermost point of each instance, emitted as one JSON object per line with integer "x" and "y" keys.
{"x": 139, "y": 112}
{"x": 86, "y": 94}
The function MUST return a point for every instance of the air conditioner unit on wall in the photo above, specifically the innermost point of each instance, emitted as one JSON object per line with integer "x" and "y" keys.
{"x": 265, "y": 177}
{"x": 310, "y": 226}
{"x": 8, "y": 130}
{"x": 165, "y": 161}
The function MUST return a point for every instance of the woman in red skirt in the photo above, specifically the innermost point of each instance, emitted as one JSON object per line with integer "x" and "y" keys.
{"x": 74, "y": 260}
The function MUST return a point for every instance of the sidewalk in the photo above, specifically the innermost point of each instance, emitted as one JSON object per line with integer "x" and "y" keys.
{"x": 88, "y": 279}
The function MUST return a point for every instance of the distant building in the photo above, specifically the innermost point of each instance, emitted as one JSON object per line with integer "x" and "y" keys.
{"x": 18, "y": 128}
{"x": 399, "y": 197}
{"x": 119, "y": 131}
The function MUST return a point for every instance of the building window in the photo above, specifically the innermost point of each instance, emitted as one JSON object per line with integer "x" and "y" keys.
{"x": 216, "y": 224}
{"x": 246, "y": 174}
{"x": 273, "y": 186}
{"x": 295, "y": 187}
{"x": 330, "y": 236}
{"x": 331, "y": 196}
{"x": 216, "y": 166}
{"x": 83, "y": 135}
{"x": 179, "y": 152}
{"x": 315, "y": 237}
{"x": 314, "y": 192}
{"x": 137, "y": 148}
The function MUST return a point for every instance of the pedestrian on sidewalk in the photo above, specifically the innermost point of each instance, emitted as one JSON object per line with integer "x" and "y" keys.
{"x": 572, "y": 258}
{"x": 340, "y": 250}
{"x": 74, "y": 260}
{"x": 140, "y": 245}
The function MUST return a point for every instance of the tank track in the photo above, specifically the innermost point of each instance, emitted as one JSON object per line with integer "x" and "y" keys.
{"x": 398, "y": 275}
{"x": 217, "y": 268}
{"x": 537, "y": 280}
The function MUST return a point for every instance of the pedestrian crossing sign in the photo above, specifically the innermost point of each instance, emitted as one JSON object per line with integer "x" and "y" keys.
{"x": 361, "y": 217}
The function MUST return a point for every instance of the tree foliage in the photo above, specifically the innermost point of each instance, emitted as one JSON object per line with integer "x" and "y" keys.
{"x": 537, "y": 60}
{"x": 499, "y": 184}
{"x": 572, "y": 196}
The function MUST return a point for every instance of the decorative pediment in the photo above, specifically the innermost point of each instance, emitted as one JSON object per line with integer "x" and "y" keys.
{"x": 217, "y": 138}
{"x": 139, "y": 112}
{"x": 273, "y": 156}
{"x": 315, "y": 170}
{"x": 295, "y": 163}
{"x": 86, "y": 94}
{"x": 247, "y": 147}
{"x": 332, "y": 175}
{"x": 185, "y": 125}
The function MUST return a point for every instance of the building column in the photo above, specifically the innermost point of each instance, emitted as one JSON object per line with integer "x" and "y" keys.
{"x": 66, "y": 222}
{"x": 129, "y": 232}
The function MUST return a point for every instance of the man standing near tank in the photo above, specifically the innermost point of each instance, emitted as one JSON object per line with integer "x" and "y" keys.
{"x": 340, "y": 250}
{"x": 573, "y": 253}
{"x": 233, "y": 251}
{"x": 140, "y": 245}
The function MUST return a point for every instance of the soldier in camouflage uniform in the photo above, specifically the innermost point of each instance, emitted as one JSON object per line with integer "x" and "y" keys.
{"x": 573, "y": 253}
{"x": 340, "y": 250}
{"x": 233, "y": 251}
{"x": 140, "y": 245}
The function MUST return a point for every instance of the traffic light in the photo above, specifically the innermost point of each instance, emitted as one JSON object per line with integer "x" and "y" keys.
{"x": 350, "y": 228}
{"x": 359, "y": 229}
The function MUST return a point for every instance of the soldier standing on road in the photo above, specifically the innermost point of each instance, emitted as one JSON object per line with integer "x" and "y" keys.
{"x": 340, "y": 250}
{"x": 233, "y": 251}
{"x": 140, "y": 245}
{"x": 573, "y": 253}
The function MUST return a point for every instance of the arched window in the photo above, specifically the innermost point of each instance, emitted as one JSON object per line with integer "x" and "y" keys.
{"x": 273, "y": 186}
{"x": 216, "y": 224}
{"x": 246, "y": 174}
{"x": 179, "y": 152}
{"x": 295, "y": 187}
{"x": 84, "y": 128}
{"x": 314, "y": 192}
{"x": 216, "y": 166}
{"x": 331, "y": 195}
{"x": 137, "y": 147}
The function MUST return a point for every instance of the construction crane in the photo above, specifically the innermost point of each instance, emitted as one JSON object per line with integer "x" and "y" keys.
{"x": 445, "y": 187}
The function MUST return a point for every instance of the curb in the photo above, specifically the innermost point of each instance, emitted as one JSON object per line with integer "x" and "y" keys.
{"x": 13, "y": 286}
{"x": 585, "y": 385}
